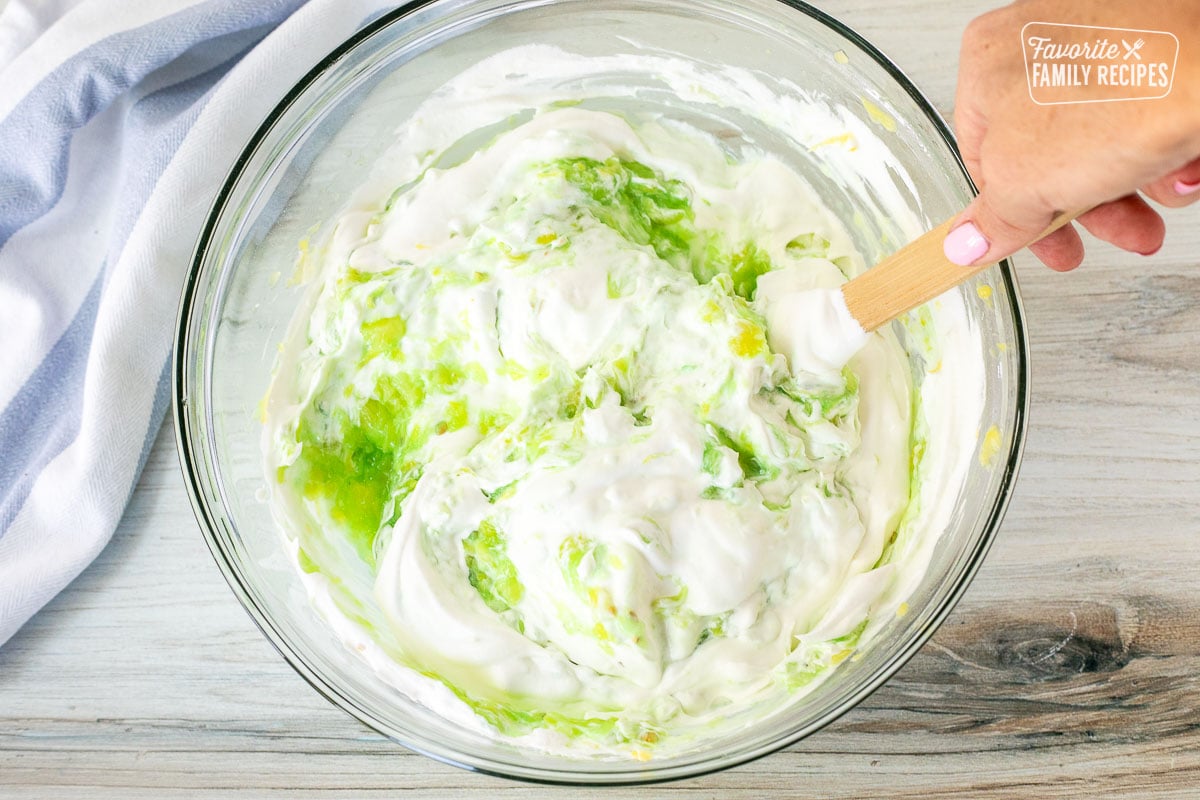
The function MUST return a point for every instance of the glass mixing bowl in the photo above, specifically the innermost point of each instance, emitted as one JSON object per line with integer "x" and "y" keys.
{"x": 318, "y": 144}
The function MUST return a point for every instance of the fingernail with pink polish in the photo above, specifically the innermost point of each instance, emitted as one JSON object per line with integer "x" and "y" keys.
{"x": 1185, "y": 188}
{"x": 965, "y": 245}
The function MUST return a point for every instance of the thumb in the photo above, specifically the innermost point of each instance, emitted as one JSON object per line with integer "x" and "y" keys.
{"x": 1177, "y": 189}
{"x": 984, "y": 233}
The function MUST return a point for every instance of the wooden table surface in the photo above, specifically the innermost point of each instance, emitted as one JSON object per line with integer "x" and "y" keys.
{"x": 1070, "y": 669}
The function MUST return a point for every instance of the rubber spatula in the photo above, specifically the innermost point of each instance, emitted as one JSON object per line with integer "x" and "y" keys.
{"x": 913, "y": 275}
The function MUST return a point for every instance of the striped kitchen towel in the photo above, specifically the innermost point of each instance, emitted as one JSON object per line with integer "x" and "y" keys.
{"x": 118, "y": 121}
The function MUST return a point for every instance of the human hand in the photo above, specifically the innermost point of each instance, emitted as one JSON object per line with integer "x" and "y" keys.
{"x": 1033, "y": 161}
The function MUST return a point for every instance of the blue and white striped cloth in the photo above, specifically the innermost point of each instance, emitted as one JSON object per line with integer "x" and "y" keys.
{"x": 118, "y": 121}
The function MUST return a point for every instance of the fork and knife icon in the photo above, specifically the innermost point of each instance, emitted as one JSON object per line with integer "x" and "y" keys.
{"x": 1131, "y": 50}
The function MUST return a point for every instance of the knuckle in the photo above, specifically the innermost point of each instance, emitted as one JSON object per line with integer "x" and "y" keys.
{"x": 1013, "y": 217}
{"x": 985, "y": 27}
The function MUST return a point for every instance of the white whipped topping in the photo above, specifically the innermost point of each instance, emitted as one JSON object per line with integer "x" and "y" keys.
{"x": 697, "y": 539}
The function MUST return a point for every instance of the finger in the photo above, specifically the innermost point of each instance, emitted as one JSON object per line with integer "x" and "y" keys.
{"x": 1061, "y": 251}
{"x": 1180, "y": 188}
{"x": 1129, "y": 223}
{"x": 983, "y": 233}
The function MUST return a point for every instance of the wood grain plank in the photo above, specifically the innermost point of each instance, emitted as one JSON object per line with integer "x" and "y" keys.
{"x": 1070, "y": 670}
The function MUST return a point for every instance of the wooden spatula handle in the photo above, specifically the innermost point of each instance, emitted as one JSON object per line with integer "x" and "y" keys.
{"x": 913, "y": 275}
